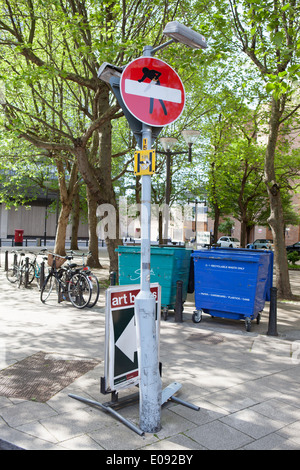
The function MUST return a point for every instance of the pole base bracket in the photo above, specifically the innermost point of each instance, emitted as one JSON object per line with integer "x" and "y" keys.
{"x": 167, "y": 394}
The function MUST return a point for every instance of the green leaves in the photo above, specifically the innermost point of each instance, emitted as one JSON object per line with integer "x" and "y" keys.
{"x": 277, "y": 38}
{"x": 276, "y": 86}
{"x": 282, "y": 82}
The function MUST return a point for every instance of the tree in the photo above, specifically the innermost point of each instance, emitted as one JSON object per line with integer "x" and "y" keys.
{"x": 269, "y": 35}
{"x": 61, "y": 45}
{"x": 68, "y": 188}
{"x": 245, "y": 183}
{"x": 54, "y": 103}
{"x": 226, "y": 127}
{"x": 22, "y": 173}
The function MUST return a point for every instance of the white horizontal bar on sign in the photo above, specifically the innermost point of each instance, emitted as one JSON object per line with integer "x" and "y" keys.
{"x": 152, "y": 90}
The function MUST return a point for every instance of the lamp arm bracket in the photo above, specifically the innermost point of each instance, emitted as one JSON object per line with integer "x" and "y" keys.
{"x": 162, "y": 46}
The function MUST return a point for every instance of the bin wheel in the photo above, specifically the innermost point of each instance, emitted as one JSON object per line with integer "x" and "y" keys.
{"x": 165, "y": 313}
{"x": 197, "y": 316}
{"x": 248, "y": 324}
{"x": 258, "y": 318}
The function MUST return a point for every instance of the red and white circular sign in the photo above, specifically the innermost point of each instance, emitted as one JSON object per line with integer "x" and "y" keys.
{"x": 152, "y": 91}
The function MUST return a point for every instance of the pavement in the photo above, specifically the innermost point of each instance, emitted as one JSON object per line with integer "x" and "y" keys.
{"x": 245, "y": 383}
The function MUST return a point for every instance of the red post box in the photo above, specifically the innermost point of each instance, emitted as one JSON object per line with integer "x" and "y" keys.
{"x": 19, "y": 237}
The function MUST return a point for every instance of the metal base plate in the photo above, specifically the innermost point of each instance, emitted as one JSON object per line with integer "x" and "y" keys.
{"x": 167, "y": 394}
{"x": 169, "y": 391}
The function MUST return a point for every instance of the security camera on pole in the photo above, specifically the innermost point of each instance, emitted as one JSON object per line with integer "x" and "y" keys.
{"x": 152, "y": 96}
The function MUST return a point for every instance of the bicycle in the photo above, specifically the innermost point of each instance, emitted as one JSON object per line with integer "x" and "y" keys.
{"x": 86, "y": 271}
{"x": 35, "y": 268}
{"x": 19, "y": 271}
{"x": 65, "y": 284}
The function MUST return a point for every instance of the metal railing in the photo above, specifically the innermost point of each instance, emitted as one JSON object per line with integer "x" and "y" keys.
{"x": 40, "y": 241}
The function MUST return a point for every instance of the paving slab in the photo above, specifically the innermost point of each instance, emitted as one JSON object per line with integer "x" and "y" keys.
{"x": 245, "y": 383}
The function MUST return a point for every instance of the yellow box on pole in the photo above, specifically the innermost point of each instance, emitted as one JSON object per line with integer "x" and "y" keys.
{"x": 144, "y": 162}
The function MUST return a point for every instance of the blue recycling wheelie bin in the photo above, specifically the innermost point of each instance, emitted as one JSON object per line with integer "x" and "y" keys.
{"x": 232, "y": 283}
{"x": 168, "y": 264}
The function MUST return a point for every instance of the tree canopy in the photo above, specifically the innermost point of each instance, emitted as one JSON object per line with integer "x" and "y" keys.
{"x": 242, "y": 87}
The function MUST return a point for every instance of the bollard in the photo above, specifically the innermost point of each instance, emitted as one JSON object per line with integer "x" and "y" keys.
{"x": 178, "y": 304}
{"x": 6, "y": 261}
{"x": 112, "y": 278}
{"x": 26, "y": 277}
{"x": 272, "y": 327}
{"x": 42, "y": 274}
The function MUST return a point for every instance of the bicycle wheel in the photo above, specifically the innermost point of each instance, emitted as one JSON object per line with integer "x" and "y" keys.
{"x": 95, "y": 288}
{"x": 49, "y": 290}
{"x": 31, "y": 272}
{"x": 12, "y": 274}
{"x": 79, "y": 290}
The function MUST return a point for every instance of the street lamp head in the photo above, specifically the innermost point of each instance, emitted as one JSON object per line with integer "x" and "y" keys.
{"x": 106, "y": 71}
{"x": 168, "y": 142}
{"x": 190, "y": 136}
{"x": 180, "y": 33}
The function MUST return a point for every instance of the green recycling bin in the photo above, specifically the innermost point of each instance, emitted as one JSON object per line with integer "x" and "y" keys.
{"x": 168, "y": 264}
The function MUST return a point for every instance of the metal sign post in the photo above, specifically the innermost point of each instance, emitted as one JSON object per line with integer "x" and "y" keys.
{"x": 143, "y": 84}
{"x": 149, "y": 92}
{"x": 150, "y": 381}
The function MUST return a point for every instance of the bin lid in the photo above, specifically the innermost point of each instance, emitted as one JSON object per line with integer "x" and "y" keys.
{"x": 242, "y": 254}
{"x": 155, "y": 250}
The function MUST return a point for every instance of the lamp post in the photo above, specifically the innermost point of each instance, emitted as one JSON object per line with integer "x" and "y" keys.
{"x": 150, "y": 383}
{"x": 190, "y": 136}
{"x": 196, "y": 202}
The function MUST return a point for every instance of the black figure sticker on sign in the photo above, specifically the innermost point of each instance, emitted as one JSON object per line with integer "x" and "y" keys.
{"x": 153, "y": 76}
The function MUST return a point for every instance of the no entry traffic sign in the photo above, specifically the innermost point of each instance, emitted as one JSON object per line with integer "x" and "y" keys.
{"x": 152, "y": 91}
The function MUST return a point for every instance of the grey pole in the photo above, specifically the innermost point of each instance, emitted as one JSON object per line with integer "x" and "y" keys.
{"x": 145, "y": 311}
{"x": 168, "y": 194}
{"x": 272, "y": 326}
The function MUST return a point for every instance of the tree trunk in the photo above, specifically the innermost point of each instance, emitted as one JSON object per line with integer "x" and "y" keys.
{"x": 63, "y": 220}
{"x": 98, "y": 177}
{"x": 66, "y": 197}
{"x": 248, "y": 231}
{"x": 106, "y": 180}
{"x": 243, "y": 233}
{"x": 276, "y": 215}
{"x": 93, "y": 258}
{"x": 216, "y": 222}
{"x": 217, "y": 210}
{"x": 75, "y": 220}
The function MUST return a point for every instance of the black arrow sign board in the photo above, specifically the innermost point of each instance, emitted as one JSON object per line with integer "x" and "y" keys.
{"x": 121, "y": 360}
